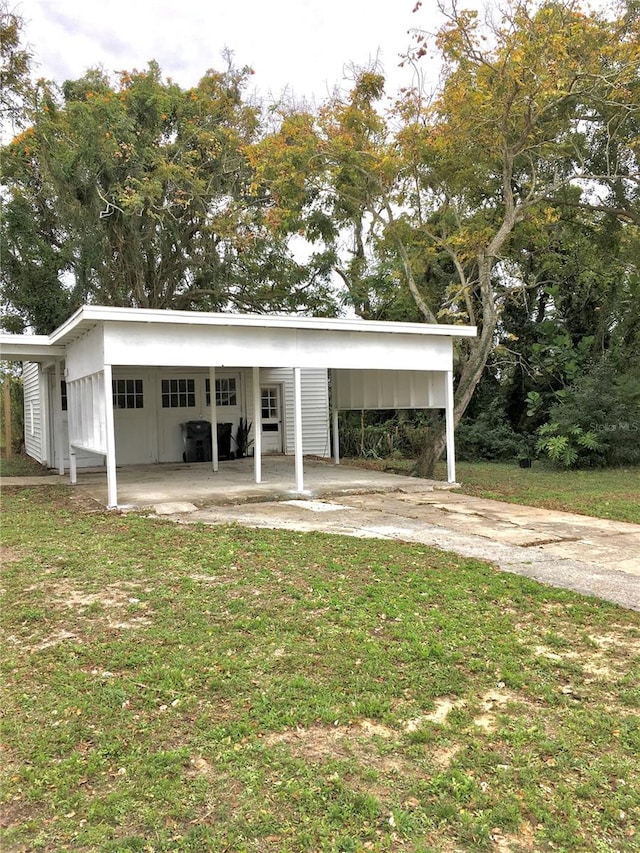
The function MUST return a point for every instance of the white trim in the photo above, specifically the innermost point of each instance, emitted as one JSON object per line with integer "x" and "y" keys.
{"x": 213, "y": 409}
{"x": 57, "y": 414}
{"x": 448, "y": 415}
{"x": 297, "y": 425}
{"x": 112, "y": 481}
{"x": 90, "y": 315}
{"x": 257, "y": 431}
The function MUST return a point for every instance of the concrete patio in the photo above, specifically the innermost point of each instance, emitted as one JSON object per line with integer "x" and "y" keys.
{"x": 181, "y": 487}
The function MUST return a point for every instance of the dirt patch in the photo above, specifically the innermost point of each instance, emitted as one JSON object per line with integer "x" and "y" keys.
{"x": 520, "y": 842}
{"x": 9, "y": 555}
{"x": 608, "y": 660}
{"x": 357, "y": 742}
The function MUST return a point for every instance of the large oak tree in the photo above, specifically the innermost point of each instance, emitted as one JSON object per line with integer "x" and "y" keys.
{"x": 536, "y": 109}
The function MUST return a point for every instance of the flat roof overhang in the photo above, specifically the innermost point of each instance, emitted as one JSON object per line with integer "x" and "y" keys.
{"x": 89, "y": 316}
{"x": 29, "y": 348}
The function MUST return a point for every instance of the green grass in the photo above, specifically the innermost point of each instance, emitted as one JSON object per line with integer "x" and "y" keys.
{"x": 21, "y": 465}
{"x": 604, "y": 493}
{"x": 172, "y": 688}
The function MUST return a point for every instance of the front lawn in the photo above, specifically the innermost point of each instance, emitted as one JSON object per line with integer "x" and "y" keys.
{"x": 171, "y": 688}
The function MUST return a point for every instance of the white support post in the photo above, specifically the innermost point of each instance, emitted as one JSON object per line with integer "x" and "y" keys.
{"x": 57, "y": 415}
{"x": 257, "y": 426}
{"x": 214, "y": 419}
{"x": 297, "y": 403}
{"x": 335, "y": 433}
{"x": 45, "y": 419}
{"x": 73, "y": 468}
{"x": 112, "y": 483}
{"x": 448, "y": 414}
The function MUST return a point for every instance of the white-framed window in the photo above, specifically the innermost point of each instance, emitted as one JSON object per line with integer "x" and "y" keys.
{"x": 178, "y": 393}
{"x": 127, "y": 394}
{"x": 226, "y": 391}
{"x": 269, "y": 402}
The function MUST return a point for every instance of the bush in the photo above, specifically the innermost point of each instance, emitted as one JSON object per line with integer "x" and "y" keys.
{"x": 597, "y": 421}
{"x": 489, "y": 436}
{"x": 362, "y": 434}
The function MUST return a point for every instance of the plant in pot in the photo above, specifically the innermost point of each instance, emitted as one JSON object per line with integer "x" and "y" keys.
{"x": 242, "y": 440}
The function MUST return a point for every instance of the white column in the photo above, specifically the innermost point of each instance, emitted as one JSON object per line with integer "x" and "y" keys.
{"x": 57, "y": 415}
{"x": 257, "y": 426}
{"x": 448, "y": 415}
{"x": 335, "y": 433}
{"x": 45, "y": 420}
{"x": 214, "y": 419}
{"x": 297, "y": 404}
{"x": 72, "y": 420}
{"x": 112, "y": 484}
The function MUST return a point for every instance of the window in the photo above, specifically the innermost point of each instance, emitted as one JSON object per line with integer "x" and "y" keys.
{"x": 63, "y": 395}
{"x": 269, "y": 402}
{"x": 127, "y": 394}
{"x": 226, "y": 394}
{"x": 178, "y": 393}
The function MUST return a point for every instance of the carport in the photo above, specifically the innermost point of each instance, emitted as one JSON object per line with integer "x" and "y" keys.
{"x": 367, "y": 364}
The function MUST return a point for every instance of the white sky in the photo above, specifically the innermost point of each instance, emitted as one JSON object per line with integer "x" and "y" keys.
{"x": 305, "y": 46}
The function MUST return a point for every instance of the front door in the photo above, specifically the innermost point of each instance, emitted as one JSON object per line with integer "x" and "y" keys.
{"x": 271, "y": 405}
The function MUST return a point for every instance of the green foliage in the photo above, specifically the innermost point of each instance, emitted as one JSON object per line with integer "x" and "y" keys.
{"x": 135, "y": 192}
{"x": 597, "y": 420}
{"x": 15, "y": 66}
{"x": 383, "y": 435}
{"x": 568, "y": 444}
{"x": 489, "y": 435}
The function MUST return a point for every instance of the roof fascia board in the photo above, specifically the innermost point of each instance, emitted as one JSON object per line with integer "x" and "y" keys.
{"x": 94, "y": 314}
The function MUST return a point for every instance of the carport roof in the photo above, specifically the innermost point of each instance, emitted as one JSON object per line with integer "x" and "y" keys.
{"x": 44, "y": 347}
{"x": 91, "y": 315}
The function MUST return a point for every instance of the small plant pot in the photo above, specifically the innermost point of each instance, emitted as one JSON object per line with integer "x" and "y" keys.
{"x": 524, "y": 463}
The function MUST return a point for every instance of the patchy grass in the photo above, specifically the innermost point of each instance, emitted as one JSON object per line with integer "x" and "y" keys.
{"x": 172, "y": 688}
{"x": 604, "y": 493}
{"x": 21, "y": 465}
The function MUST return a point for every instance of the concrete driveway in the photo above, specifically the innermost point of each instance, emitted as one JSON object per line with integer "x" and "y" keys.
{"x": 588, "y": 555}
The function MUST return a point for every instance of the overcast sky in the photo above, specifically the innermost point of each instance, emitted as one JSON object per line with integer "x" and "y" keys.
{"x": 306, "y": 46}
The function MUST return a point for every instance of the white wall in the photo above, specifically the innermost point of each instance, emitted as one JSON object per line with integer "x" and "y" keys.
{"x": 175, "y": 345}
{"x": 85, "y": 355}
{"x": 388, "y": 389}
{"x": 315, "y": 408}
{"x": 33, "y": 426}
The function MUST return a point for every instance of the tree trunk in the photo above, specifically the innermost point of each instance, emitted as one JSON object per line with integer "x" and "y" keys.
{"x": 472, "y": 370}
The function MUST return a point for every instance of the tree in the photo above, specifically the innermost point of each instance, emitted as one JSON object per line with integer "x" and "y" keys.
{"x": 440, "y": 186}
{"x": 134, "y": 193}
{"x": 15, "y": 68}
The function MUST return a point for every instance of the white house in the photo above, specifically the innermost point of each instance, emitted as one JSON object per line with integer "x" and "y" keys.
{"x": 114, "y": 386}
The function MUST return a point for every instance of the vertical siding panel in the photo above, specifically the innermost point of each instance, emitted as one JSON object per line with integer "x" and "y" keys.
{"x": 33, "y": 426}
{"x": 315, "y": 408}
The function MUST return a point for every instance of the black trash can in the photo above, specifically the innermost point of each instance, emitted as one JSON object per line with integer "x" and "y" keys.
{"x": 224, "y": 441}
{"x": 196, "y": 437}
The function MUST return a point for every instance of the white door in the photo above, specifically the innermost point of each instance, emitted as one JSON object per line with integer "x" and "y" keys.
{"x": 181, "y": 399}
{"x": 133, "y": 410}
{"x": 271, "y": 405}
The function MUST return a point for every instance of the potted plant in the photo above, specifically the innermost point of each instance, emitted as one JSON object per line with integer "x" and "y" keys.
{"x": 242, "y": 440}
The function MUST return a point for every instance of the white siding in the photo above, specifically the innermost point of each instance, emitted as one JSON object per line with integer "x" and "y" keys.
{"x": 388, "y": 389}
{"x": 33, "y": 426}
{"x": 315, "y": 408}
